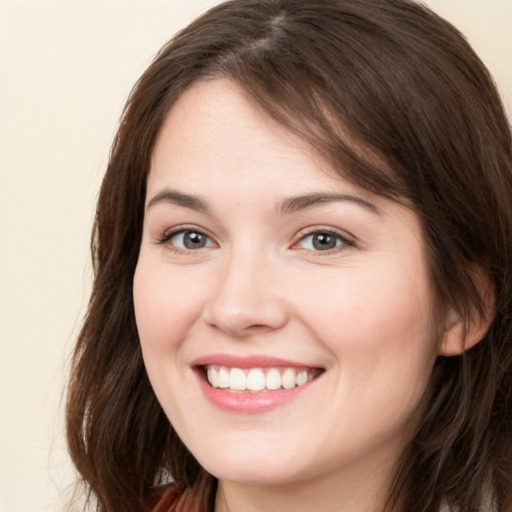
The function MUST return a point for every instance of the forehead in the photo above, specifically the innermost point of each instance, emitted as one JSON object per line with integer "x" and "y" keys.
{"x": 216, "y": 134}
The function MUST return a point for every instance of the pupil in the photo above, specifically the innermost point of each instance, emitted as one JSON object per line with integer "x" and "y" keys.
{"x": 193, "y": 240}
{"x": 324, "y": 241}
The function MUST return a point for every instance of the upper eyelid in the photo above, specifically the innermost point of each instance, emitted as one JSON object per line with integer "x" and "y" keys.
{"x": 347, "y": 241}
{"x": 180, "y": 229}
{"x": 176, "y": 230}
{"x": 344, "y": 235}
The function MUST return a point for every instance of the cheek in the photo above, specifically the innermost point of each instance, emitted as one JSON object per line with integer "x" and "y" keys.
{"x": 164, "y": 306}
{"x": 164, "y": 315}
{"x": 362, "y": 301}
{"x": 376, "y": 321}
{"x": 379, "y": 333}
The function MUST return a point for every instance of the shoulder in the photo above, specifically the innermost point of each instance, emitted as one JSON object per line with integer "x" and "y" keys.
{"x": 169, "y": 498}
{"x": 162, "y": 499}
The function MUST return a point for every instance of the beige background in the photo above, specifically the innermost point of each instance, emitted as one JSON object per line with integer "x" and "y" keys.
{"x": 66, "y": 68}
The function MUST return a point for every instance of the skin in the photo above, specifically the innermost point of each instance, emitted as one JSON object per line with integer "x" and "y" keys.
{"x": 361, "y": 311}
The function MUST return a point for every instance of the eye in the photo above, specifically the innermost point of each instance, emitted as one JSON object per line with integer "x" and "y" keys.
{"x": 322, "y": 241}
{"x": 188, "y": 240}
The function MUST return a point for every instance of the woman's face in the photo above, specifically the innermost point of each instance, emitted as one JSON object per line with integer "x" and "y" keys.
{"x": 260, "y": 267}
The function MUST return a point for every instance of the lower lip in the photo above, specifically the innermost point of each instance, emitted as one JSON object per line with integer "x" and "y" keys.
{"x": 251, "y": 402}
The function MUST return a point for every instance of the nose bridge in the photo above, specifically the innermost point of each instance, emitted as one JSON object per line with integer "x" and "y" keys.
{"x": 246, "y": 297}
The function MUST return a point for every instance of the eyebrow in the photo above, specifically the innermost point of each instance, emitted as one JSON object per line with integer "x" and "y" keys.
{"x": 288, "y": 206}
{"x": 314, "y": 199}
{"x": 179, "y": 199}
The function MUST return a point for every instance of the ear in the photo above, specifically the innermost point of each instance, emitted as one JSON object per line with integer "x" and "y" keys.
{"x": 457, "y": 338}
{"x": 460, "y": 336}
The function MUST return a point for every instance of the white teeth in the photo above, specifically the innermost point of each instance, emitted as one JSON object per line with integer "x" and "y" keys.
{"x": 302, "y": 378}
{"x": 288, "y": 378}
{"x": 273, "y": 379}
{"x": 223, "y": 378}
{"x": 213, "y": 377}
{"x": 257, "y": 379}
{"x": 237, "y": 379}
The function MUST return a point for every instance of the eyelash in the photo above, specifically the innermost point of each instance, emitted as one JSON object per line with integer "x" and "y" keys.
{"x": 169, "y": 235}
{"x": 344, "y": 241}
{"x": 340, "y": 237}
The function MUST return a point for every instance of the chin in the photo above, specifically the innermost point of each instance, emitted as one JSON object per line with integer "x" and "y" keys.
{"x": 257, "y": 474}
{"x": 257, "y": 466}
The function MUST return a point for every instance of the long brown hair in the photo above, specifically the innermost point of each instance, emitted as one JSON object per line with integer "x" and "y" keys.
{"x": 397, "y": 101}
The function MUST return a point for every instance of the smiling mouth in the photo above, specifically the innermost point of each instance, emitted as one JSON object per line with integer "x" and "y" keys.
{"x": 258, "y": 379}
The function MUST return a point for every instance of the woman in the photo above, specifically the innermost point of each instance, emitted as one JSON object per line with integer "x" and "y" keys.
{"x": 303, "y": 254}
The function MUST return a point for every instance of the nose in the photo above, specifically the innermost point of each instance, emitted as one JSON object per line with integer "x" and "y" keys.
{"x": 246, "y": 297}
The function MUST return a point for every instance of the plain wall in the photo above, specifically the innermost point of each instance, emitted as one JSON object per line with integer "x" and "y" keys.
{"x": 66, "y": 68}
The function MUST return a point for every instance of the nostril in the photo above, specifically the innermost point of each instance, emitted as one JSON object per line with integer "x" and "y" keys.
{"x": 257, "y": 327}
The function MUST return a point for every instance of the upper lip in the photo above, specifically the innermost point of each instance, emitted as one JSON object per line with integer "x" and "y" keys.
{"x": 253, "y": 361}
